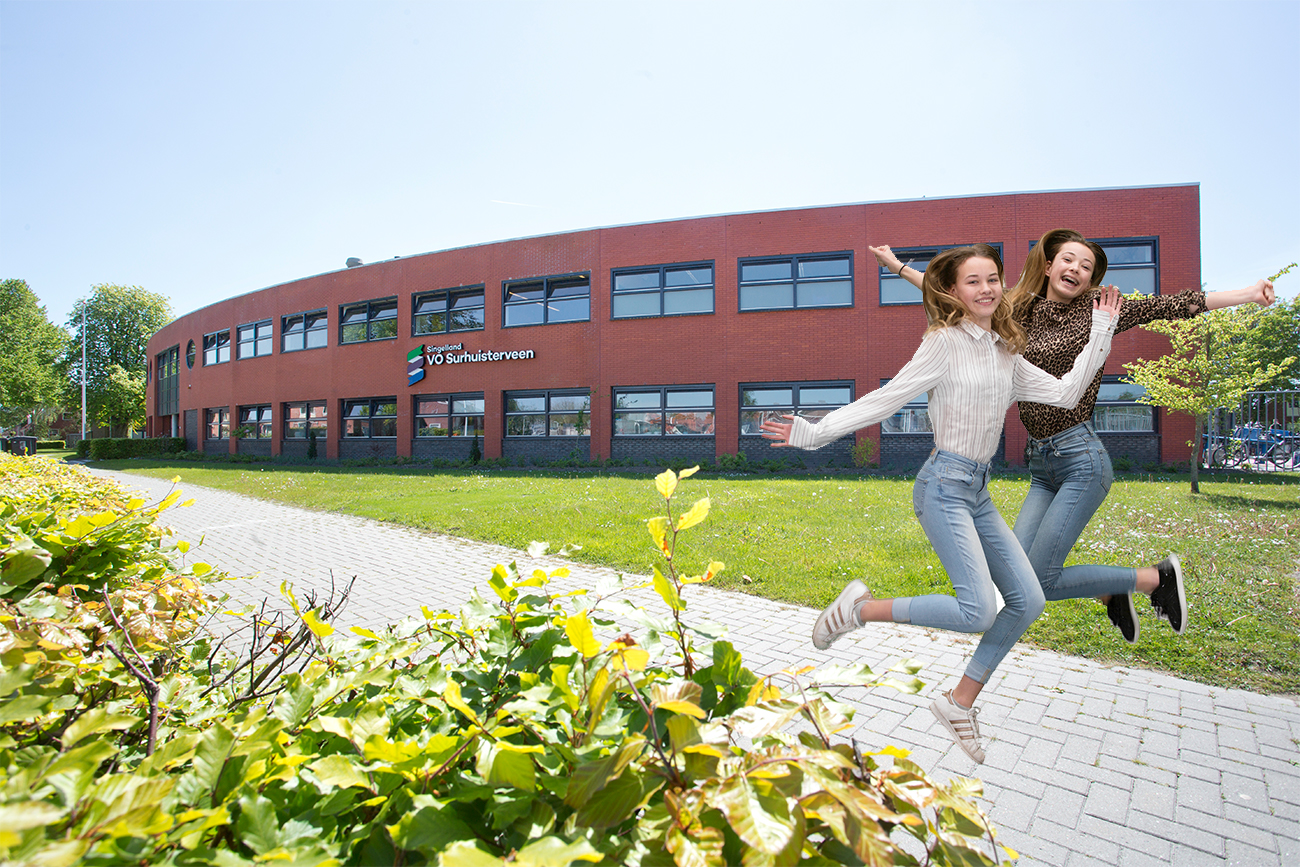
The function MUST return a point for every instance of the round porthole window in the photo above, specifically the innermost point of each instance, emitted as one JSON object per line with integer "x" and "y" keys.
{"x": 189, "y": 356}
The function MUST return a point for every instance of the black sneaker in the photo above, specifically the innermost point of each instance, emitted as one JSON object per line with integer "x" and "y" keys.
{"x": 1121, "y": 612}
{"x": 1168, "y": 599}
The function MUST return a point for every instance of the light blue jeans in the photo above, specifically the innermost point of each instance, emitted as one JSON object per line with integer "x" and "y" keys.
{"x": 979, "y": 551}
{"x": 1070, "y": 474}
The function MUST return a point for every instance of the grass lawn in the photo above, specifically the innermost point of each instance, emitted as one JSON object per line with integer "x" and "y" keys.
{"x": 800, "y": 539}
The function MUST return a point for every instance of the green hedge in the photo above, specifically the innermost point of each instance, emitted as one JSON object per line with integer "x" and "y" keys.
{"x": 125, "y": 447}
{"x": 50, "y": 445}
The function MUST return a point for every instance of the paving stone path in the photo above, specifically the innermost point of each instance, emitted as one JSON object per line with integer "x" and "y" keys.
{"x": 1087, "y": 764}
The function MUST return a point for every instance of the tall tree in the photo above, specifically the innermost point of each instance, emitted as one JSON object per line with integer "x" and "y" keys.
{"x": 30, "y": 348}
{"x": 1276, "y": 335}
{"x": 119, "y": 320}
{"x": 1214, "y": 364}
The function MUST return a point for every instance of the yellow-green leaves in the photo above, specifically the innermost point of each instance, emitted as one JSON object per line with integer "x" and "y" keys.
{"x": 319, "y": 628}
{"x": 581, "y": 636}
{"x": 695, "y": 515}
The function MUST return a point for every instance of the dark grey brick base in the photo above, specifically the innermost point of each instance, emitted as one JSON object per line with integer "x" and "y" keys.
{"x": 649, "y": 451}
{"x": 1140, "y": 448}
{"x": 836, "y": 454}
{"x": 216, "y": 447}
{"x": 362, "y": 448}
{"x": 906, "y": 452}
{"x": 260, "y": 448}
{"x": 546, "y": 448}
{"x": 446, "y": 448}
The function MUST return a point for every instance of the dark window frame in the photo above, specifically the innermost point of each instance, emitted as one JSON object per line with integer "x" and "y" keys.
{"x": 191, "y": 353}
{"x": 795, "y": 280}
{"x": 370, "y": 418}
{"x": 222, "y": 421}
{"x": 263, "y": 428}
{"x": 371, "y": 307}
{"x": 256, "y": 342}
{"x": 920, "y": 402}
{"x": 908, "y": 256}
{"x": 322, "y": 328}
{"x": 448, "y": 308}
{"x": 796, "y": 406}
{"x": 1100, "y": 403}
{"x": 663, "y": 409}
{"x": 216, "y": 347}
{"x": 548, "y": 284}
{"x": 451, "y": 415}
{"x": 664, "y": 290}
{"x": 547, "y": 411}
{"x": 1136, "y": 241}
{"x": 306, "y": 406}
{"x": 167, "y": 381}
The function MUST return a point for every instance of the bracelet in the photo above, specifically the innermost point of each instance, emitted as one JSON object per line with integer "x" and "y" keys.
{"x": 901, "y": 268}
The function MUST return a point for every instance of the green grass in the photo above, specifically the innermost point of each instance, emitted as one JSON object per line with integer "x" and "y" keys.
{"x": 800, "y": 539}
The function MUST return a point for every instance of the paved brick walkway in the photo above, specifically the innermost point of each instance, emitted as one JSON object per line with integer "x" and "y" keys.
{"x": 1087, "y": 763}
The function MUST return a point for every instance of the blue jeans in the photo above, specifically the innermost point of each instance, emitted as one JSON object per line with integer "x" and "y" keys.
{"x": 979, "y": 551}
{"x": 1070, "y": 474}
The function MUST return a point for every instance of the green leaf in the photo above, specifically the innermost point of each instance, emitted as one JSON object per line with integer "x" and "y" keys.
{"x": 25, "y": 708}
{"x": 94, "y": 721}
{"x": 591, "y": 776}
{"x": 338, "y": 771}
{"x": 465, "y": 853}
{"x": 319, "y": 628}
{"x": 258, "y": 825}
{"x": 505, "y": 764}
{"x": 29, "y": 814}
{"x": 430, "y": 828}
{"x": 695, "y": 515}
{"x": 614, "y": 803}
{"x": 667, "y": 592}
{"x": 554, "y": 852}
{"x": 842, "y": 675}
{"x": 702, "y": 847}
{"x": 578, "y": 628}
{"x": 666, "y": 484}
{"x": 758, "y": 813}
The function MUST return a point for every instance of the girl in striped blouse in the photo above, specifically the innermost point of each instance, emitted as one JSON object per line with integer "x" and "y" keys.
{"x": 970, "y": 364}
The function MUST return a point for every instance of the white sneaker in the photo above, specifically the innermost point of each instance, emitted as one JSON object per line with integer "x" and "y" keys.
{"x": 960, "y": 723}
{"x": 840, "y": 617}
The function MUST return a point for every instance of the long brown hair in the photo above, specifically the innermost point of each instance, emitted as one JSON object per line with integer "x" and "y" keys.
{"x": 943, "y": 310}
{"x": 1033, "y": 279}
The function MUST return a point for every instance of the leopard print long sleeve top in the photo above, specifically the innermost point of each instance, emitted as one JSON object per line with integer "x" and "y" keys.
{"x": 1057, "y": 334}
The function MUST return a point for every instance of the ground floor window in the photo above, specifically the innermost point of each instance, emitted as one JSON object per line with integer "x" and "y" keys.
{"x": 457, "y": 415}
{"x": 667, "y": 411}
{"x": 303, "y": 417}
{"x": 218, "y": 419}
{"x": 255, "y": 422}
{"x": 812, "y": 400}
{"x": 548, "y": 413}
{"x": 913, "y": 418}
{"x": 370, "y": 417}
{"x": 1118, "y": 410}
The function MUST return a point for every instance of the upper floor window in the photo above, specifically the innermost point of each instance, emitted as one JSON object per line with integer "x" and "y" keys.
{"x": 368, "y": 320}
{"x": 1117, "y": 407}
{"x": 548, "y": 413}
{"x": 448, "y": 310}
{"x": 896, "y": 290}
{"x": 189, "y": 355}
{"x": 218, "y": 421}
{"x": 304, "y": 331}
{"x": 370, "y": 417}
{"x": 1132, "y": 264}
{"x": 795, "y": 282}
{"x": 547, "y": 300}
{"x": 303, "y": 417}
{"x": 664, "y": 290}
{"x": 255, "y": 422}
{"x": 913, "y": 418}
{"x": 457, "y": 415}
{"x": 254, "y": 339}
{"x": 216, "y": 347}
{"x": 812, "y": 400}
{"x": 669, "y": 411}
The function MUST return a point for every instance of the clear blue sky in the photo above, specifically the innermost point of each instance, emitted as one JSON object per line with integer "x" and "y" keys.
{"x": 204, "y": 150}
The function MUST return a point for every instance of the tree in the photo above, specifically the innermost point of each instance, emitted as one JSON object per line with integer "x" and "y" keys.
{"x": 1214, "y": 364}
{"x": 119, "y": 320}
{"x": 30, "y": 348}
{"x": 1276, "y": 335}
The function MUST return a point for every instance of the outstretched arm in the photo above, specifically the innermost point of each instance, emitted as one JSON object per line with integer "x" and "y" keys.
{"x": 1260, "y": 293}
{"x": 894, "y": 265}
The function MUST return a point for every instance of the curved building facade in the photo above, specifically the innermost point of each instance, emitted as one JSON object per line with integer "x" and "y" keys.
{"x": 655, "y": 342}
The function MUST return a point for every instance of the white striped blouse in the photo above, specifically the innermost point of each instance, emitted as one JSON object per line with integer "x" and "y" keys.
{"x": 972, "y": 380}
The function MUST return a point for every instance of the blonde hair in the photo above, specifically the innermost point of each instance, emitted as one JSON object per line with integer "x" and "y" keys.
{"x": 1033, "y": 279}
{"x": 944, "y": 311}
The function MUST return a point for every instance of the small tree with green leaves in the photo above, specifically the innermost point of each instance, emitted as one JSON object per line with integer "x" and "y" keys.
{"x": 1212, "y": 365}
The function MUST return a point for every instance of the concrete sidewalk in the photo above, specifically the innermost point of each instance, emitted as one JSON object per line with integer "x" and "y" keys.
{"x": 1086, "y": 764}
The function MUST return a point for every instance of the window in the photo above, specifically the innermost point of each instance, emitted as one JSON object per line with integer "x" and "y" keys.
{"x": 548, "y": 413}
{"x": 254, "y": 339}
{"x": 913, "y": 418}
{"x": 189, "y": 356}
{"x": 547, "y": 300}
{"x": 796, "y": 282}
{"x": 665, "y": 290}
{"x": 218, "y": 423}
{"x": 448, "y": 310}
{"x": 686, "y": 411}
{"x": 255, "y": 422}
{"x": 304, "y": 331}
{"x": 1117, "y": 408}
{"x": 1131, "y": 264}
{"x": 896, "y": 290}
{"x": 369, "y": 320}
{"x": 303, "y": 417}
{"x": 216, "y": 347}
{"x": 457, "y": 415}
{"x": 167, "y": 381}
{"x": 370, "y": 417}
{"x": 812, "y": 400}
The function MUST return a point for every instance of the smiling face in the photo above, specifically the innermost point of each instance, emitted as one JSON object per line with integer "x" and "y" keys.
{"x": 978, "y": 289}
{"x": 1070, "y": 273}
